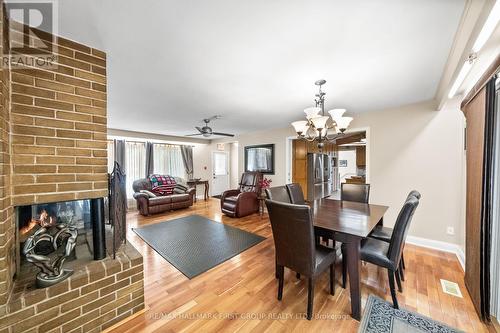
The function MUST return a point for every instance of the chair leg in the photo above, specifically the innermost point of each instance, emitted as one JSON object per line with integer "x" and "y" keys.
{"x": 332, "y": 279}
{"x": 276, "y": 268}
{"x": 298, "y": 276}
{"x": 403, "y": 261}
{"x": 401, "y": 272}
{"x": 310, "y": 298}
{"x": 393, "y": 288}
{"x": 344, "y": 266}
{"x": 398, "y": 280}
{"x": 281, "y": 273}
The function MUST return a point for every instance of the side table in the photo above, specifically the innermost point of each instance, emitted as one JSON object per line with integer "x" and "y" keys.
{"x": 193, "y": 183}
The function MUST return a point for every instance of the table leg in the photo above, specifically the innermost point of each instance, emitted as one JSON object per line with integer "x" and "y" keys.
{"x": 206, "y": 190}
{"x": 353, "y": 267}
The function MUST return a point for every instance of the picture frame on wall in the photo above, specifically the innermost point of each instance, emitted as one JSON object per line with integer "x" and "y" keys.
{"x": 343, "y": 163}
{"x": 260, "y": 158}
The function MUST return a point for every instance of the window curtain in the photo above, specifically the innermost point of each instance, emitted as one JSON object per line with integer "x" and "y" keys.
{"x": 135, "y": 164}
{"x": 187, "y": 158}
{"x": 168, "y": 160}
{"x": 488, "y": 203}
{"x": 149, "y": 159}
{"x": 119, "y": 150}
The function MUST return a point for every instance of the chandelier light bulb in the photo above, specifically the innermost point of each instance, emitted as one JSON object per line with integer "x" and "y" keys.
{"x": 343, "y": 123}
{"x": 300, "y": 126}
{"x": 337, "y": 113}
{"x": 312, "y": 112}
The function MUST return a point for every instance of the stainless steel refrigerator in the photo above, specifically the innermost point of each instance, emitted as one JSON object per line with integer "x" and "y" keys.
{"x": 320, "y": 178}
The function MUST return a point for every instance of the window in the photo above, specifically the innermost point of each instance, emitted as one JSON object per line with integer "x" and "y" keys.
{"x": 111, "y": 155}
{"x": 168, "y": 160}
{"x": 135, "y": 163}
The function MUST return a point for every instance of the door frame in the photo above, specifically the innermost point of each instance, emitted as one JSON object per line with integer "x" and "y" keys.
{"x": 289, "y": 154}
{"x": 213, "y": 169}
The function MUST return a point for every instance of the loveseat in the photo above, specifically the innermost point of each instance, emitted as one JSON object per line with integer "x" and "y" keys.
{"x": 152, "y": 203}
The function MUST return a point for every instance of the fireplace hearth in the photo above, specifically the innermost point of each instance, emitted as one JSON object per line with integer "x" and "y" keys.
{"x": 50, "y": 235}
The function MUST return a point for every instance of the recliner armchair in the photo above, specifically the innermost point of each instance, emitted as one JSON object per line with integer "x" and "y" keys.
{"x": 243, "y": 201}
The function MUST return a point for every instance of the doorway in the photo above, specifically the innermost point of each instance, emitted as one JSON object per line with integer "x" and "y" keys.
{"x": 220, "y": 172}
{"x": 351, "y": 150}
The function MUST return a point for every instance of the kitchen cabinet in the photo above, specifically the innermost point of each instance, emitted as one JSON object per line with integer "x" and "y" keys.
{"x": 361, "y": 156}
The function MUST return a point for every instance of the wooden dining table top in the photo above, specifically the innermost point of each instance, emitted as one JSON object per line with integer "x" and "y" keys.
{"x": 353, "y": 218}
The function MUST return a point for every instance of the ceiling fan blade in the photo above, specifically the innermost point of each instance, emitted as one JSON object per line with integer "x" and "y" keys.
{"x": 223, "y": 134}
{"x": 199, "y": 129}
{"x": 194, "y": 134}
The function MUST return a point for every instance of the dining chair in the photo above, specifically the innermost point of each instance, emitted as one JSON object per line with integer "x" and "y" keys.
{"x": 293, "y": 234}
{"x": 296, "y": 194}
{"x": 278, "y": 193}
{"x": 281, "y": 194}
{"x": 357, "y": 193}
{"x": 385, "y": 233}
{"x": 388, "y": 255}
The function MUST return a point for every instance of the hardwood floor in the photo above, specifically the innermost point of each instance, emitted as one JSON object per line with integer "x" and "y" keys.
{"x": 240, "y": 294}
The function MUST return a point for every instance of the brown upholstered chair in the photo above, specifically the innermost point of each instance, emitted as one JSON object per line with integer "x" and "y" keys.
{"x": 385, "y": 234}
{"x": 242, "y": 201}
{"x": 296, "y": 194}
{"x": 293, "y": 234}
{"x": 388, "y": 255}
{"x": 278, "y": 193}
{"x": 355, "y": 192}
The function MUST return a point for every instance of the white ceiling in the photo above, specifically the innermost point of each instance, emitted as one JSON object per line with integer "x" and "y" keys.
{"x": 172, "y": 63}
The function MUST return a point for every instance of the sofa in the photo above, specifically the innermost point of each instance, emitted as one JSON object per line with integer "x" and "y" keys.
{"x": 150, "y": 203}
{"x": 242, "y": 201}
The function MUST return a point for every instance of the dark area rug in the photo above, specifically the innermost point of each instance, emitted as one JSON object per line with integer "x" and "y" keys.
{"x": 381, "y": 317}
{"x": 195, "y": 244}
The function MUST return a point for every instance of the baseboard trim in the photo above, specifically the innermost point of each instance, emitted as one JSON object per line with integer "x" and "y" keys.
{"x": 438, "y": 245}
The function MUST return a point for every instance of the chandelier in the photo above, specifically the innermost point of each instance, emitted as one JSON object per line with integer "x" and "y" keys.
{"x": 318, "y": 126}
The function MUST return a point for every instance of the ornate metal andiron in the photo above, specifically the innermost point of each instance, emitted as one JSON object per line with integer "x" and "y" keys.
{"x": 52, "y": 272}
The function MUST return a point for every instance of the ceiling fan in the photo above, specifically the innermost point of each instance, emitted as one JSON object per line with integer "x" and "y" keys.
{"x": 206, "y": 131}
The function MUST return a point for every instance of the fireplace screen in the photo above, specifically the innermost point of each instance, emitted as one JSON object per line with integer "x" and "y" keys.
{"x": 51, "y": 234}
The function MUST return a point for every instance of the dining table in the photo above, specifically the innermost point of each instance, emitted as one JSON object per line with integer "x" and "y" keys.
{"x": 348, "y": 222}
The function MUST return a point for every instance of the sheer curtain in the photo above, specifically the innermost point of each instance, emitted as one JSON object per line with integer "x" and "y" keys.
{"x": 168, "y": 160}
{"x": 135, "y": 163}
{"x": 111, "y": 155}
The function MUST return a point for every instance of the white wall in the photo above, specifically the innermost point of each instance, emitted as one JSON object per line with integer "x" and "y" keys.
{"x": 410, "y": 147}
{"x": 274, "y": 136}
{"x": 234, "y": 174}
{"x": 351, "y": 168}
{"x": 415, "y": 147}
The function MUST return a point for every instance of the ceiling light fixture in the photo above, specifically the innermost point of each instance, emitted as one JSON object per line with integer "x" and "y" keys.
{"x": 488, "y": 28}
{"x": 318, "y": 126}
{"x": 461, "y": 75}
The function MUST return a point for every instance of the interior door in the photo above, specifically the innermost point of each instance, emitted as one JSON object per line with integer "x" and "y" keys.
{"x": 220, "y": 172}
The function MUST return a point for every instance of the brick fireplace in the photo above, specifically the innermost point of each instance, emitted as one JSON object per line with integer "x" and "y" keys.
{"x": 52, "y": 155}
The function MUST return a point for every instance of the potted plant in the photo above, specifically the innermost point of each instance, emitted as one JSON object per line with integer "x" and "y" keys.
{"x": 263, "y": 184}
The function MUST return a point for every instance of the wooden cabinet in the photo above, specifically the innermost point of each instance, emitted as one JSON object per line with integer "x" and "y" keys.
{"x": 361, "y": 156}
{"x": 299, "y": 163}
